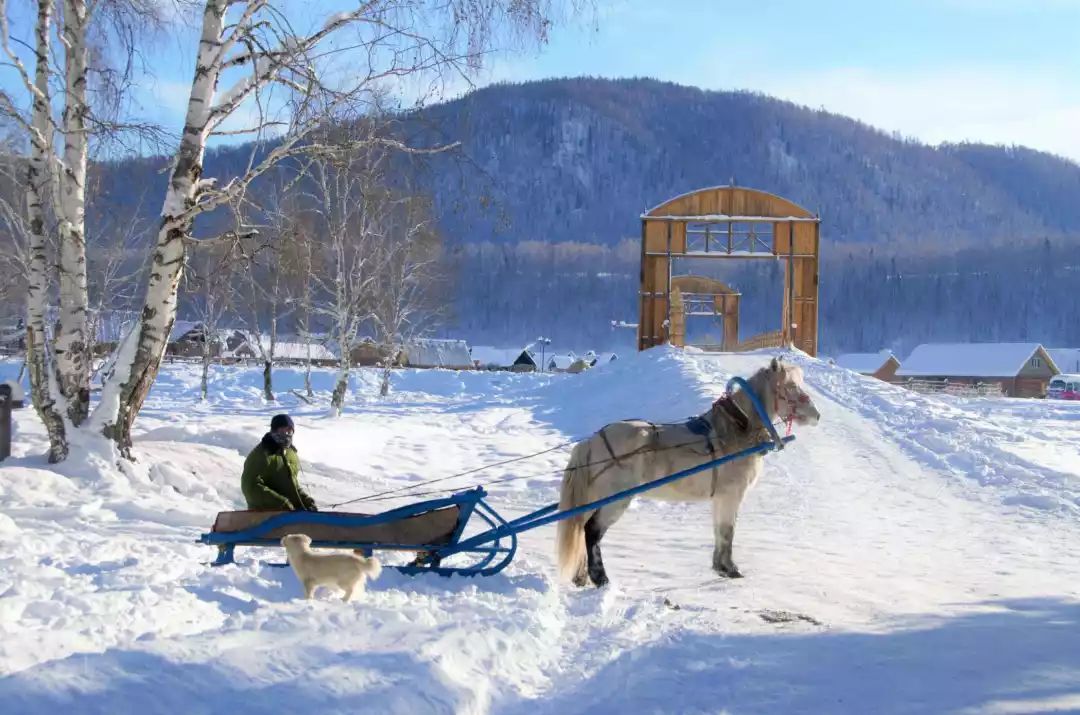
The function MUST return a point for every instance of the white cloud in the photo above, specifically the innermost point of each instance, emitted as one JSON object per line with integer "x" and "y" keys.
{"x": 997, "y": 106}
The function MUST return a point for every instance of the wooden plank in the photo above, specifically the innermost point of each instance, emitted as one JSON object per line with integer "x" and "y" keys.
{"x": 805, "y": 237}
{"x": 677, "y": 312}
{"x": 656, "y": 233}
{"x": 782, "y": 233}
{"x": 432, "y": 527}
{"x": 678, "y": 237}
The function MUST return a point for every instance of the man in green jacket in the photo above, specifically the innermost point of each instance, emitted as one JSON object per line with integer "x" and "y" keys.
{"x": 271, "y": 470}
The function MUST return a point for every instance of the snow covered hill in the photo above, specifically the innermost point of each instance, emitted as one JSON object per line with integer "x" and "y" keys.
{"x": 908, "y": 555}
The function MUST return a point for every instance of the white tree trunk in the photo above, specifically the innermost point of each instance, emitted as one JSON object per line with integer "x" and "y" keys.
{"x": 71, "y": 344}
{"x": 139, "y": 355}
{"x": 38, "y": 182}
{"x": 268, "y": 381}
{"x": 384, "y": 386}
{"x": 305, "y": 326}
{"x": 341, "y": 387}
{"x": 204, "y": 380}
{"x": 307, "y": 371}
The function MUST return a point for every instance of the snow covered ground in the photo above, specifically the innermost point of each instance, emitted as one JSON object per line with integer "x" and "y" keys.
{"x": 908, "y": 555}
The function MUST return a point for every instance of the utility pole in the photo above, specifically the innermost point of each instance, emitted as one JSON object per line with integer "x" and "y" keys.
{"x": 544, "y": 342}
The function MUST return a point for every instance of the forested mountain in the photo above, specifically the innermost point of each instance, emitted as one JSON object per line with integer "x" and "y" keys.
{"x": 580, "y": 159}
{"x": 539, "y": 213}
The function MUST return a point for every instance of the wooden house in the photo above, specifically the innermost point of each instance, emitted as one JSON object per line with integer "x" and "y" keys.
{"x": 435, "y": 353}
{"x": 1021, "y": 369}
{"x": 882, "y": 365}
{"x": 1066, "y": 359}
{"x": 513, "y": 359}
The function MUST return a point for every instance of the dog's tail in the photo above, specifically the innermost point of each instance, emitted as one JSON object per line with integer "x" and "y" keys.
{"x": 570, "y": 537}
{"x": 372, "y": 566}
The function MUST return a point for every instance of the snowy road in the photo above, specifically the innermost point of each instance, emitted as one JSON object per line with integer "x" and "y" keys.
{"x": 905, "y": 556}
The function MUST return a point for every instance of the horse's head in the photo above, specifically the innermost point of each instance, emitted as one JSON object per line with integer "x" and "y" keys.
{"x": 787, "y": 396}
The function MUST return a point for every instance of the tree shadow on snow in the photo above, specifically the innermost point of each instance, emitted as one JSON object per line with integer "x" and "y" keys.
{"x": 1024, "y": 656}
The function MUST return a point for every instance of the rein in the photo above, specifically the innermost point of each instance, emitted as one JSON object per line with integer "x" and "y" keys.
{"x": 694, "y": 425}
{"x": 759, "y": 408}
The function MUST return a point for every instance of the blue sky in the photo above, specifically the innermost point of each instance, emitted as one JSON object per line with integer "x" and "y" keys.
{"x": 947, "y": 70}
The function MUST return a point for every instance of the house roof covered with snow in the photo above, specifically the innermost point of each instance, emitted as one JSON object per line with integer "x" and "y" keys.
{"x": 430, "y": 352}
{"x": 1066, "y": 359}
{"x": 486, "y": 356}
{"x": 299, "y": 351}
{"x": 562, "y": 362}
{"x": 283, "y": 350}
{"x": 181, "y": 328}
{"x": 865, "y": 363}
{"x": 968, "y": 359}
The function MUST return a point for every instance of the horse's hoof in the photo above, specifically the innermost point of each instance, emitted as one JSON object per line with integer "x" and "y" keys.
{"x": 731, "y": 571}
{"x": 600, "y": 580}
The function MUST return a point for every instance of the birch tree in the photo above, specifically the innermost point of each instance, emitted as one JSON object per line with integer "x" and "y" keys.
{"x": 14, "y": 233}
{"x": 56, "y": 170}
{"x": 352, "y": 207}
{"x": 405, "y": 292}
{"x": 114, "y": 269}
{"x": 42, "y": 166}
{"x": 300, "y": 265}
{"x": 265, "y": 306}
{"x": 210, "y": 296}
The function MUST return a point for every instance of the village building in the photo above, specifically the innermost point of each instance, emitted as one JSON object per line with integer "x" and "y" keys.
{"x": 286, "y": 352}
{"x": 882, "y": 365}
{"x": 1020, "y": 369}
{"x": 569, "y": 362}
{"x": 186, "y": 340}
{"x": 513, "y": 359}
{"x": 368, "y": 353}
{"x": 1066, "y": 359}
{"x": 432, "y": 353}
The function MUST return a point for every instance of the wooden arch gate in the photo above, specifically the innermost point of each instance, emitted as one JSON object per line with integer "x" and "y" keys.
{"x": 732, "y": 223}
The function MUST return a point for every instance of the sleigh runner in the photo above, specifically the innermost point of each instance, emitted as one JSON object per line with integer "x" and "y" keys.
{"x": 436, "y": 529}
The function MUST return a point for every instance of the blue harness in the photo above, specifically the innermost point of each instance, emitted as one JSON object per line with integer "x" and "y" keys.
{"x": 699, "y": 426}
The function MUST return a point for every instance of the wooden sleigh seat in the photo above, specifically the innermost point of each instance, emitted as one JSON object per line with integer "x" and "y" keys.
{"x": 421, "y": 528}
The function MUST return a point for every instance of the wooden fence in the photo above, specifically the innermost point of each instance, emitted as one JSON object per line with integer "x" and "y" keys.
{"x": 774, "y": 339}
{"x": 956, "y": 389}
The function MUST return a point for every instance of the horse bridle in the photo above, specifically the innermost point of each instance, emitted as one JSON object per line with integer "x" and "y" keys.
{"x": 792, "y": 405}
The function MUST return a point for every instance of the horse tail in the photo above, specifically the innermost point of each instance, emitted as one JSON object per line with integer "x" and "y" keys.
{"x": 571, "y": 532}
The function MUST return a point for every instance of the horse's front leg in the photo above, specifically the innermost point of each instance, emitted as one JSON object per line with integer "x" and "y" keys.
{"x": 725, "y": 509}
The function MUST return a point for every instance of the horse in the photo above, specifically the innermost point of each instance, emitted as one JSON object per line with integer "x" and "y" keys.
{"x": 625, "y": 454}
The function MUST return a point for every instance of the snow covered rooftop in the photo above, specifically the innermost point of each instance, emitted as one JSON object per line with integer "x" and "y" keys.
{"x": 181, "y": 328}
{"x": 299, "y": 351}
{"x": 283, "y": 350}
{"x": 1066, "y": 359}
{"x": 431, "y": 352}
{"x": 561, "y": 362}
{"x": 864, "y": 363}
{"x": 967, "y": 359}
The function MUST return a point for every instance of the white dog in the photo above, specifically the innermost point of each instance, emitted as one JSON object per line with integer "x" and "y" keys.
{"x": 346, "y": 571}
